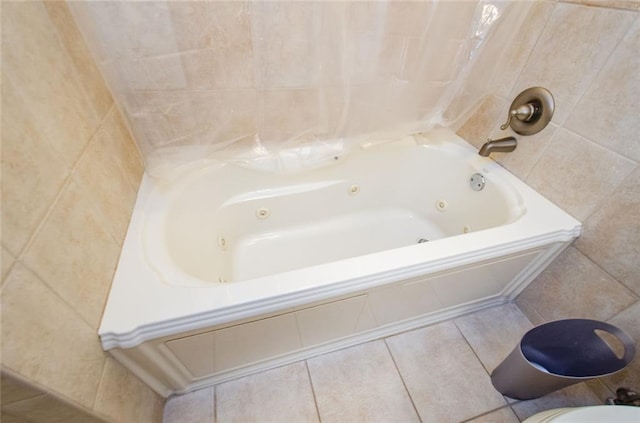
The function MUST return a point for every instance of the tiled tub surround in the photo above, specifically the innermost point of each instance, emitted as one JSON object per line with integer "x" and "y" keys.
{"x": 253, "y": 77}
{"x": 60, "y": 108}
{"x": 70, "y": 172}
{"x": 586, "y": 161}
{"x": 178, "y": 328}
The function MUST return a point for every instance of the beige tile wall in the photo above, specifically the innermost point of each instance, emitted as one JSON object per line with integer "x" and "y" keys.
{"x": 586, "y": 161}
{"x": 70, "y": 172}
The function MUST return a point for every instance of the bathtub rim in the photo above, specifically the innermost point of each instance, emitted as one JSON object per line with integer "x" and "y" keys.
{"x": 130, "y": 334}
{"x": 177, "y": 309}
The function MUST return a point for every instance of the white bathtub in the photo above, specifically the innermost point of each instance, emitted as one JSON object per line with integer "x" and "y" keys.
{"x": 227, "y": 271}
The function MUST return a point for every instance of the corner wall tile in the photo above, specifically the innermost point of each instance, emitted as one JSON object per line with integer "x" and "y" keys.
{"x": 32, "y": 171}
{"x": 87, "y": 72}
{"x": 612, "y": 234}
{"x": 573, "y": 287}
{"x": 47, "y": 118}
{"x": 577, "y": 174}
{"x": 604, "y": 113}
{"x": 81, "y": 271}
{"x": 44, "y": 340}
{"x": 103, "y": 178}
{"x": 283, "y": 394}
{"x": 30, "y": 45}
{"x": 582, "y": 37}
{"x": 440, "y": 353}
{"x": 489, "y": 116}
{"x": 124, "y": 148}
{"x": 47, "y": 409}
{"x": 520, "y": 46}
{"x": 124, "y": 398}
{"x": 13, "y": 390}
{"x": 530, "y": 148}
{"x": 198, "y": 406}
{"x": 360, "y": 383}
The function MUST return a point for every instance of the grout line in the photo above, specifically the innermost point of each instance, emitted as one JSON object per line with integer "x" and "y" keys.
{"x": 215, "y": 403}
{"x": 598, "y": 145}
{"x": 406, "y": 388}
{"x": 514, "y": 411}
{"x": 313, "y": 391}
{"x": 63, "y": 188}
{"x": 71, "y": 63}
{"x": 589, "y": 81}
{"x": 487, "y": 413}
{"x": 470, "y": 346}
{"x": 8, "y": 372}
{"x": 100, "y": 383}
{"x": 512, "y": 94}
{"x": 633, "y": 294}
{"x": 10, "y": 267}
{"x": 556, "y": 128}
{"x": 506, "y": 400}
{"x": 55, "y": 293}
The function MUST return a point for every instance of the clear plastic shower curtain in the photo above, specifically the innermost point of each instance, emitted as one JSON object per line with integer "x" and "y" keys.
{"x": 287, "y": 85}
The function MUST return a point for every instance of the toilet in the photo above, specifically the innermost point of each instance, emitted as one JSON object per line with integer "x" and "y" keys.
{"x": 598, "y": 413}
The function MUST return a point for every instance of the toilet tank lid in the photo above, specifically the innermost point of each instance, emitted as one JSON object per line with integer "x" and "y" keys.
{"x": 600, "y": 413}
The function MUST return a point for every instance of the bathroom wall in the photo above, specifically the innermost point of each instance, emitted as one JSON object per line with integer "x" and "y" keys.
{"x": 247, "y": 79}
{"x": 586, "y": 161}
{"x": 70, "y": 172}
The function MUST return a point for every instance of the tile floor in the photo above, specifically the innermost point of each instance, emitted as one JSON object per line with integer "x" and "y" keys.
{"x": 438, "y": 373}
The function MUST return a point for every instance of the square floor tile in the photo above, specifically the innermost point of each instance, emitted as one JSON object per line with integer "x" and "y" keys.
{"x": 494, "y": 333}
{"x": 278, "y": 395}
{"x": 445, "y": 379}
{"x": 360, "y": 384}
{"x": 572, "y": 396}
{"x": 194, "y": 407}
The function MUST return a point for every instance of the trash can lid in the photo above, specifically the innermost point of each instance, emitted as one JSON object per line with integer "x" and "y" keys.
{"x": 573, "y": 348}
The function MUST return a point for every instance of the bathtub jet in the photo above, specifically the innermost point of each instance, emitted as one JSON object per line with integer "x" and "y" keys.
{"x": 226, "y": 271}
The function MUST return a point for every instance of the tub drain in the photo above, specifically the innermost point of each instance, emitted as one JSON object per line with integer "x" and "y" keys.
{"x": 477, "y": 182}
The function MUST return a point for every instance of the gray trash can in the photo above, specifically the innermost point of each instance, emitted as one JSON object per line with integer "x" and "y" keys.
{"x": 558, "y": 354}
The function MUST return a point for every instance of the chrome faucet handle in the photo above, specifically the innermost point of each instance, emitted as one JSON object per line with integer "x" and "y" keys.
{"x": 524, "y": 113}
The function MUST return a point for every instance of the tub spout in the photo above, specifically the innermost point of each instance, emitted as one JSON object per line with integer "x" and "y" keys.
{"x": 503, "y": 145}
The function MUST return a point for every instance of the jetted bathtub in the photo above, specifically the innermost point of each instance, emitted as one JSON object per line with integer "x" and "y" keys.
{"x": 227, "y": 271}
